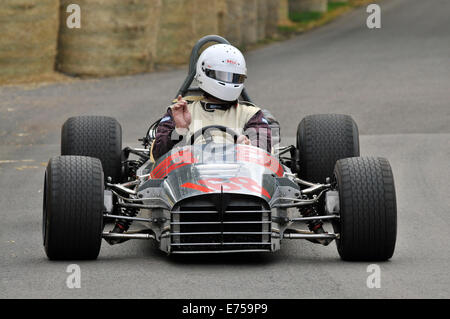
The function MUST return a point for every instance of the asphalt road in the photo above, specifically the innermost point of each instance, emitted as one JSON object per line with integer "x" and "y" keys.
{"x": 395, "y": 82}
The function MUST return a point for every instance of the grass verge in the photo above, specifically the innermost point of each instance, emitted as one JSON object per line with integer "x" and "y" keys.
{"x": 304, "y": 21}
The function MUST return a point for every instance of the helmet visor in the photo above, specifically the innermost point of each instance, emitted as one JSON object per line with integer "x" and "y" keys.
{"x": 227, "y": 77}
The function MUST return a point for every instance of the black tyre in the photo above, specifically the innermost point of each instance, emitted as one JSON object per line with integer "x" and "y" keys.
{"x": 73, "y": 207}
{"x": 368, "y": 209}
{"x": 94, "y": 136}
{"x": 322, "y": 139}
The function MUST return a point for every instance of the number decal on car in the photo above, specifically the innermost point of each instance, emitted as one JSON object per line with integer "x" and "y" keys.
{"x": 208, "y": 185}
{"x": 174, "y": 161}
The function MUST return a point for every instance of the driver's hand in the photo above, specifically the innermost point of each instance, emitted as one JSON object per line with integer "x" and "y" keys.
{"x": 181, "y": 114}
{"x": 243, "y": 140}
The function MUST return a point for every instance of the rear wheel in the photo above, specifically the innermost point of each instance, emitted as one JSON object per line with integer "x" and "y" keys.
{"x": 94, "y": 136}
{"x": 322, "y": 139}
{"x": 368, "y": 210}
{"x": 73, "y": 207}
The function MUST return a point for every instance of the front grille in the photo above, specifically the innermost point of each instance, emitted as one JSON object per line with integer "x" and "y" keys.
{"x": 220, "y": 223}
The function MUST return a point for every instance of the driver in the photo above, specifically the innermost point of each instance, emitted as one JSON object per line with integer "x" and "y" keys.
{"x": 220, "y": 73}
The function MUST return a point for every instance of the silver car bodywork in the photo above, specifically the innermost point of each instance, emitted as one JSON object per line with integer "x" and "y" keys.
{"x": 212, "y": 198}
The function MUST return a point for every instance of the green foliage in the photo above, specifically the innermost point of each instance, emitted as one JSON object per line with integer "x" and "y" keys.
{"x": 287, "y": 29}
{"x": 334, "y": 5}
{"x": 304, "y": 17}
{"x": 309, "y": 16}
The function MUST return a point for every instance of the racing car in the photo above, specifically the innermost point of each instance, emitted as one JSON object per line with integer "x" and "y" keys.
{"x": 216, "y": 197}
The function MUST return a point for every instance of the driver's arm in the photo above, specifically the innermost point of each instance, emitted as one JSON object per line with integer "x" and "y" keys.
{"x": 166, "y": 136}
{"x": 173, "y": 127}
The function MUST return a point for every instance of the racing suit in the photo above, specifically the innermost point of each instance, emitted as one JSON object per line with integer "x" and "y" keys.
{"x": 237, "y": 116}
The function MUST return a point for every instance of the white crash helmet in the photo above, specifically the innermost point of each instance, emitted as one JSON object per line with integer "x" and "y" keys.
{"x": 221, "y": 72}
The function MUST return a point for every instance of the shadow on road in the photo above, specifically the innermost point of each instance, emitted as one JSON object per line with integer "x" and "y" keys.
{"x": 223, "y": 259}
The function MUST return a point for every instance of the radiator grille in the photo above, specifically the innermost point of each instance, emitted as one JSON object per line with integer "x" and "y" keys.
{"x": 212, "y": 223}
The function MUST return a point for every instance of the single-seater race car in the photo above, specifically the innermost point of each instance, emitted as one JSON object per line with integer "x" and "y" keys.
{"x": 217, "y": 197}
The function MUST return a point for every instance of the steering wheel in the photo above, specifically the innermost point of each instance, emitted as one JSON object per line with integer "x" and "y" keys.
{"x": 206, "y": 133}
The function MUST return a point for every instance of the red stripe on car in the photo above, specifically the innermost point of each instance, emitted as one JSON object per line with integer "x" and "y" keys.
{"x": 197, "y": 187}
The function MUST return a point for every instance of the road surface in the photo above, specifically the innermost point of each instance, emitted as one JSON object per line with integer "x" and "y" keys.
{"x": 394, "y": 81}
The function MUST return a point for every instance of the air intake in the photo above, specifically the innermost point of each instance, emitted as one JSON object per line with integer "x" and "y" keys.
{"x": 221, "y": 223}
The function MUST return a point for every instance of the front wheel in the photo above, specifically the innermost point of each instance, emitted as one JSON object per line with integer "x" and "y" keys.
{"x": 73, "y": 207}
{"x": 368, "y": 210}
